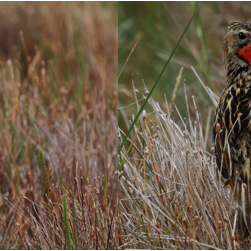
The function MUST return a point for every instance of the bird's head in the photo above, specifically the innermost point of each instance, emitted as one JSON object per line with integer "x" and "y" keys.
{"x": 237, "y": 46}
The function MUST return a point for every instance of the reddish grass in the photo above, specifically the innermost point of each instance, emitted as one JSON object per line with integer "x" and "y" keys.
{"x": 58, "y": 92}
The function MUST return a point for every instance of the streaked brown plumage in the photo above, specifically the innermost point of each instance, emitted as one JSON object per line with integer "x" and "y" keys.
{"x": 233, "y": 116}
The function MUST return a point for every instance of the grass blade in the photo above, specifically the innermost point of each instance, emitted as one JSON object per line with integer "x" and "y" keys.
{"x": 142, "y": 107}
{"x": 128, "y": 58}
{"x": 67, "y": 225}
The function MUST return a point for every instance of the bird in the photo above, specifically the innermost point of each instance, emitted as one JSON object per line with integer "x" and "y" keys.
{"x": 232, "y": 122}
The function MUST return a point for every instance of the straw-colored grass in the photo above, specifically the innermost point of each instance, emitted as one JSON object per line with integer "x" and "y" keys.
{"x": 171, "y": 195}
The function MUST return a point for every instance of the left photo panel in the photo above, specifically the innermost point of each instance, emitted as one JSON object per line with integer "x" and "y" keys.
{"x": 58, "y": 125}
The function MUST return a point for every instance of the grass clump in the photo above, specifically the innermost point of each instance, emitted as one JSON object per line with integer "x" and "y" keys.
{"x": 171, "y": 195}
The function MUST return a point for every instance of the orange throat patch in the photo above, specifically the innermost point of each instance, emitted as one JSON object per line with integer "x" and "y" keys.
{"x": 245, "y": 53}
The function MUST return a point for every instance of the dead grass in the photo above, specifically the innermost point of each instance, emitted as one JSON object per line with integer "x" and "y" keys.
{"x": 170, "y": 194}
{"x": 58, "y": 92}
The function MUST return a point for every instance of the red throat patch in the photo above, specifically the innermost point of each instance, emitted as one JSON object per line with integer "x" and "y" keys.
{"x": 245, "y": 53}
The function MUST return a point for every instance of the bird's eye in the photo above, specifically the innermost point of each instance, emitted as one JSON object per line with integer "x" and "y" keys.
{"x": 241, "y": 35}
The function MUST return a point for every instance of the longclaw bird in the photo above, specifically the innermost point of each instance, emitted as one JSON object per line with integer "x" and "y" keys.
{"x": 232, "y": 140}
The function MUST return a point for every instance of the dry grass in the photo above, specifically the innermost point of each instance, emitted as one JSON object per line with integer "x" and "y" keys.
{"x": 58, "y": 92}
{"x": 171, "y": 195}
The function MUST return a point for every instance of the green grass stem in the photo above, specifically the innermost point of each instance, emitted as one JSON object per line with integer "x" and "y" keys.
{"x": 150, "y": 93}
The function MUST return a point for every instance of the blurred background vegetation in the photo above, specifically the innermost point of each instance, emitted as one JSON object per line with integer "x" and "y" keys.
{"x": 157, "y": 26}
{"x": 58, "y": 96}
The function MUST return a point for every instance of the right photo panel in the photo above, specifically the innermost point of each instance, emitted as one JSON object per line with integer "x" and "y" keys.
{"x": 184, "y": 136}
